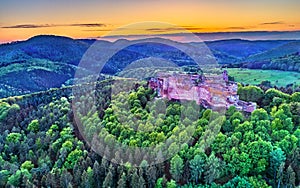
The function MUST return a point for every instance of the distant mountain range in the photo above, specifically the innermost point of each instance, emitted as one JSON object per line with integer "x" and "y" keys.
{"x": 242, "y": 49}
{"x": 46, "y": 61}
{"x": 282, "y": 50}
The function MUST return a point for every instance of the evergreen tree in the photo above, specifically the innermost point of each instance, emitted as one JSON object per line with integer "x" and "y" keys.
{"x": 197, "y": 168}
{"x": 212, "y": 169}
{"x": 98, "y": 174}
{"x": 290, "y": 177}
{"x": 66, "y": 178}
{"x": 176, "y": 167}
{"x": 277, "y": 157}
{"x": 108, "y": 181}
{"x": 151, "y": 174}
{"x": 122, "y": 181}
{"x": 142, "y": 183}
{"x": 134, "y": 180}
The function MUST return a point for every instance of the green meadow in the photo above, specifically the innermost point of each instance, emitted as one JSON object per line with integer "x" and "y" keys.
{"x": 256, "y": 76}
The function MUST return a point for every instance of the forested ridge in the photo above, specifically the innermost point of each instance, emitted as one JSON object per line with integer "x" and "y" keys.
{"x": 48, "y": 57}
{"x": 42, "y": 144}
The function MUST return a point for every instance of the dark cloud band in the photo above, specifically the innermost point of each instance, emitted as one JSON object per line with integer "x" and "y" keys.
{"x": 32, "y": 26}
{"x": 273, "y": 23}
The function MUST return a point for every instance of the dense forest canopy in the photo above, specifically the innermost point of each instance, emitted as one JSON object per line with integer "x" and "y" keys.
{"x": 43, "y": 145}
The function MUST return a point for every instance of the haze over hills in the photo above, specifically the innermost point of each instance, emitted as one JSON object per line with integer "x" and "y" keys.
{"x": 215, "y": 36}
{"x": 46, "y": 61}
{"x": 251, "y": 35}
{"x": 244, "y": 48}
{"x": 276, "y": 52}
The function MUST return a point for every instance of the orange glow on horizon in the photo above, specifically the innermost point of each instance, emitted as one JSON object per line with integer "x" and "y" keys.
{"x": 59, "y": 18}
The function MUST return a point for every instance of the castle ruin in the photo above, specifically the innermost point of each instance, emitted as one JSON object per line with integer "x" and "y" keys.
{"x": 210, "y": 91}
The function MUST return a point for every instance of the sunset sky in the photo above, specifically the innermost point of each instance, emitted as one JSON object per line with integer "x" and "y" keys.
{"x": 20, "y": 20}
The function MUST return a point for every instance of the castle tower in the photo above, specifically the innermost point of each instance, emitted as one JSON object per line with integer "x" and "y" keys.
{"x": 225, "y": 75}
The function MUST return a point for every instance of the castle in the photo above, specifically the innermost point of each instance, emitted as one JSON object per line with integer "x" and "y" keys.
{"x": 210, "y": 91}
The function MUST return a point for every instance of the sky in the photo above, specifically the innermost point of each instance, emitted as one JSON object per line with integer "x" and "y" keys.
{"x": 20, "y": 20}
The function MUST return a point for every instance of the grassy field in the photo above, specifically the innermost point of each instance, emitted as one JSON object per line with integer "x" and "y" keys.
{"x": 251, "y": 76}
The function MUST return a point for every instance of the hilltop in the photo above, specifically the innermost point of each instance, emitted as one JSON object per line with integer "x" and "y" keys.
{"x": 48, "y": 61}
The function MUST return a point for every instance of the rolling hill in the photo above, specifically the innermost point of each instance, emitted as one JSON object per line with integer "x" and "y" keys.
{"x": 39, "y": 63}
{"x": 47, "y": 61}
{"x": 243, "y": 48}
{"x": 53, "y": 48}
{"x": 277, "y": 52}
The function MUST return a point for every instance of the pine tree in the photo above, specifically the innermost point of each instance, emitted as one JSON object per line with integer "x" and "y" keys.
{"x": 65, "y": 178}
{"x": 279, "y": 176}
{"x": 151, "y": 174}
{"x": 176, "y": 167}
{"x": 122, "y": 181}
{"x": 212, "y": 169}
{"x": 142, "y": 183}
{"x": 108, "y": 181}
{"x": 77, "y": 174}
{"x": 90, "y": 176}
{"x": 134, "y": 180}
{"x": 277, "y": 158}
{"x": 290, "y": 177}
{"x": 197, "y": 168}
{"x": 98, "y": 174}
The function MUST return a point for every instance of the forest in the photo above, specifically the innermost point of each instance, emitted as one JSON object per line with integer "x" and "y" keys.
{"x": 288, "y": 62}
{"x": 47, "y": 139}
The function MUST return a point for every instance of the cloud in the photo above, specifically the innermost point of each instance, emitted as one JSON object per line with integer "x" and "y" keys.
{"x": 192, "y": 27}
{"x": 31, "y": 26}
{"x": 26, "y": 26}
{"x": 88, "y": 25}
{"x": 163, "y": 29}
{"x": 96, "y": 30}
{"x": 170, "y": 29}
{"x": 238, "y": 28}
{"x": 272, "y": 23}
